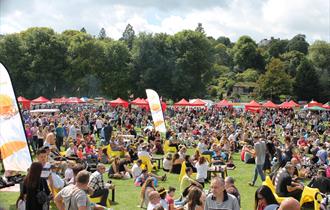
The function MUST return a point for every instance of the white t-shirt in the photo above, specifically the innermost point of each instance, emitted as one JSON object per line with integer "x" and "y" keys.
{"x": 136, "y": 171}
{"x": 151, "y": 206}
{"x": 202, "y": 170}
{"x": 167, "y": 164}
{"x": 68, "y": 175}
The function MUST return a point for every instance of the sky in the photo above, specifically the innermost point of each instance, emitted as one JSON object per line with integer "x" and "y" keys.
{"x": 231, "y": 18}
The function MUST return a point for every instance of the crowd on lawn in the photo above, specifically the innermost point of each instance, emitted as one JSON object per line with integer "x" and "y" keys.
{"x": 288, "y": 145}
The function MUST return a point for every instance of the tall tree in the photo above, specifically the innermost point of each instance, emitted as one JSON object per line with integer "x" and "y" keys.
{"x": 319, "y": 54}
{"x": 102, "y": 34}
{"x": 200, "y": 28}
{"x": 298, "y": 43}
{"x": 194, "y": 61}
{"x": 246, "y": 54}
{"x": 306, "y": 86}
{"x": 129, "y": 36}
{"x": 224, "y": 40}
{"x": 291, "y": 61}
{"x": 277, "y": 47}
{"x": 114, "y": 76}
{"x": 275, "y": 81}
{"x": 46, "y": 54}
{"x": 83, "y": 30}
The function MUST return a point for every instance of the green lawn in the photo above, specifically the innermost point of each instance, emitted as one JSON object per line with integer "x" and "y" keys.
{"x": 127, "y": 195}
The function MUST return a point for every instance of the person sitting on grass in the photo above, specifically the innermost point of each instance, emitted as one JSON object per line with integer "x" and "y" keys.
{"x": 140, "y": 175}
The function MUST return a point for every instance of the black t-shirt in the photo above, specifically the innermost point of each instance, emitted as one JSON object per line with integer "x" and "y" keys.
{"x": 122, "y": 163}
{"x": 322, "y": 183}
{"x": 283, "y": 181}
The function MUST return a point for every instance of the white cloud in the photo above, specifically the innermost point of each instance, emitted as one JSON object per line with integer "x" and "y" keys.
{"x": 257, "y": 18}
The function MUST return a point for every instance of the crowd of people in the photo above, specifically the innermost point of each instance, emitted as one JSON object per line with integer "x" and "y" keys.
{"x": 288, "y": 145}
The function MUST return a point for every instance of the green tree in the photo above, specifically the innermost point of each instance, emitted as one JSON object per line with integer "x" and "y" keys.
{"x": 102, "y": 34}
{"x": 306, "y": 85}
{"x": 222, "y": 55}
{"x": 128, "y": 36}
{"x": 83, "y": 30}
{"x": 114, "y": 76}
{"x": 45, "y": 53}
{"x": 85, "y": 57}
{"x": 200, "y": 28}
{"x": 291, "y": 61}
{"x": 224, "y": 40}
{"x": 298, "y": 43}
{"x": 194, "y": 59}
{"x": 249, "y": 75}
{"x": 277, "y": 47}
{"x": 153, "y": 60}
{"x": 246, "y": 54}
{"x": 319, "y": 55}
{"x": 12, "y": 55}
{"x": 275, "y": 81}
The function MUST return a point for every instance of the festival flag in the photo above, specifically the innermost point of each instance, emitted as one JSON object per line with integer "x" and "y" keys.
{"x": 14, "y": 149}
{"x": 156, "y": 110}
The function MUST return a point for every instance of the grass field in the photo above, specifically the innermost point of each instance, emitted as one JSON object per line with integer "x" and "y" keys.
{"x": 127, "y": 195}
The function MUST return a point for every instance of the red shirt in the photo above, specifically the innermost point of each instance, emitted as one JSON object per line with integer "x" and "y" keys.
{"x": 169, "y": 200}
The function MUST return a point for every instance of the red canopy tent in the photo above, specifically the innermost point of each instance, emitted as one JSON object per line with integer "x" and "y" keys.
{"x": 25, "y": 102}
{"x": 314, "y": 103}
{"x": 253, "y": 103}
{"x": 223, "y": 103}
{"x": 182, "y": 102}
{"x": 74, "y": 100}
{"x": 119, "y": 102}
{"x": 198, "y": 102}
{"x": 294, "y": 103}
{"x": 59, "y": 100}
{"x": 40, "y": 100}
{"x": 270, "y": 104}
{"x": 140, "y": 102}
{"x": 286, "y": 105}
{"x": 253, "y": 106}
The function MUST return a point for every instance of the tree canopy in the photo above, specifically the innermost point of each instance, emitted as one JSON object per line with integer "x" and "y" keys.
{"x": 186, "y": 64}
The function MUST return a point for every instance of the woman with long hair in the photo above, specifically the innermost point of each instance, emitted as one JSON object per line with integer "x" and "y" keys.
{"x": 195, "y": 199}
{"x": 32, "y": 186}
{"x": 114, "y": 169}
{"x": 176, "y": 164}
{"x": 147, "y": 187}
{"x": 263, "y": 197}
{"x": 202, "y": 166}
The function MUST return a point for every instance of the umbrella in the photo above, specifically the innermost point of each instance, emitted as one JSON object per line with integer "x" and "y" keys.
{"x": 314, "y": 103}
{"x": 315, "y": 108}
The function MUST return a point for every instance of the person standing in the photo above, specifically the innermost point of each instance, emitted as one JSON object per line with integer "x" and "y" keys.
{"x": 107, "y": 132}
{"x": 32, "y": 186}
{"x": 59, "y": 136}
{"x": 260, "y": 156}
